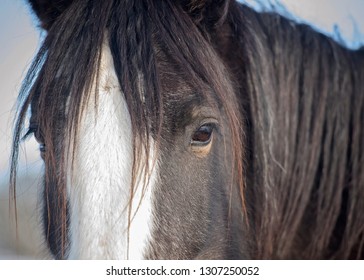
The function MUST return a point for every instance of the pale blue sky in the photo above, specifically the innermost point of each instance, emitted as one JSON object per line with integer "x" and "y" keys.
{"x": 341, "y": 19}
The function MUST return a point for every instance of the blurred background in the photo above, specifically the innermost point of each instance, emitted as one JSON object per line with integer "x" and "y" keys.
{"x": 19, "y": 41}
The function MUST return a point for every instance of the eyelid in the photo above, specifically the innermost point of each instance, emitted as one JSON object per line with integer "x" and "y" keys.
{"x": 208, "y": 121}
{"x": 212, "y": 122}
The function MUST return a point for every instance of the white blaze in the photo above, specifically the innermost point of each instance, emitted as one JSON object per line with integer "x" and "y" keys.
{"x": 99, "y": 187}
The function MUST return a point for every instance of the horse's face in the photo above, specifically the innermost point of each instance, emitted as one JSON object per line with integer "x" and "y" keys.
{"x": 191, "y": 198}
{"x": 140, "y": 132}
{"x": 172, "y": 194}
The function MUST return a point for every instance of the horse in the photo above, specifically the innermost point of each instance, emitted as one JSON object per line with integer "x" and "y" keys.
{"x": 193, "y": 129}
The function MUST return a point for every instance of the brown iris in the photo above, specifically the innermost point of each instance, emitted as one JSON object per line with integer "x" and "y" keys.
{"x": 202, "y": 135}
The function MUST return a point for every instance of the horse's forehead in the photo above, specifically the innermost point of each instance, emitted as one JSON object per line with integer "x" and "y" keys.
{"x": 107, "y": 75}
{"x": 175, "y": 83}
{"x": 102, "y": 180}
{"x": 183, "y": 98}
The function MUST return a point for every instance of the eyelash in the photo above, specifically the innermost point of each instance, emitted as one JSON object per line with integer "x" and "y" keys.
{"x": 31, "y": 131}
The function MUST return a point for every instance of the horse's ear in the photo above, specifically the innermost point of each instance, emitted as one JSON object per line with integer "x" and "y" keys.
{"x": 48, "y": 11}
{"x": 207, "y": 12}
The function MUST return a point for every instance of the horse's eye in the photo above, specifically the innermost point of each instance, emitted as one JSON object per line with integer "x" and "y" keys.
{"x": 202, "y": 135}
{"x": 42, "y": 148}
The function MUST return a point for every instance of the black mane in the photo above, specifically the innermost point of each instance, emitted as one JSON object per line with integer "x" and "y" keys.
{"x": 305, "y": 98}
